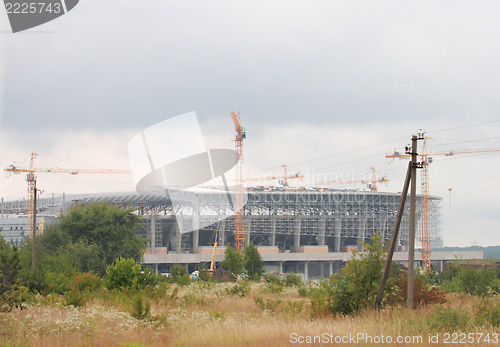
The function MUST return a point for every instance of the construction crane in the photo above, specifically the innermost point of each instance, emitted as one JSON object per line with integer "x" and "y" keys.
{"x": 371, "y": 183}
{"x": 216, "y": 242}
{"x": 239, "y": 220}
{"x": 31, "y": 179}
{"x": 426, "y": 159}
{"x": 283, "y": 178}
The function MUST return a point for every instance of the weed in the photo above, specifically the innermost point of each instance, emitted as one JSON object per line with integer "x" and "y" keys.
{"x": 240, "y": 289}
{"x": 141, "y": 308}
{"x": 448, "y": 319}
{"x": 488, "y": 314}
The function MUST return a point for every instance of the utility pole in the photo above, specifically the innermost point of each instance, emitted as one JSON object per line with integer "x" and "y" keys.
{"x": 411, "y": 242}
{"x": 410, "y": 181}
{"x": 33, "y": 227}
{"x": 395, "y": 232}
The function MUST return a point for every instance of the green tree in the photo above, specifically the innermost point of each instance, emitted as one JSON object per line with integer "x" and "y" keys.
{"x": 254, "y": 265}
{"x": 234, "y": 262}
{"x": 11, "y": 293}
{"x": 123, "y": 273}
{"x": 108, "y": 227}
{"x": 356, "y": 286}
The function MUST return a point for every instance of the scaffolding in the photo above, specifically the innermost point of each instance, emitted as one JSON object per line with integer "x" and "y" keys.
{"x": 285, "y": 219}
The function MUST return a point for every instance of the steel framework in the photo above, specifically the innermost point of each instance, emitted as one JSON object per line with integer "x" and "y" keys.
{"x": 284, "y": 219}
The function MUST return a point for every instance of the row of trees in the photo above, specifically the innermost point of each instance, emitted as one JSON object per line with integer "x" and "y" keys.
{"x": 96, "y": 244}
{"x": 89, "y": 243}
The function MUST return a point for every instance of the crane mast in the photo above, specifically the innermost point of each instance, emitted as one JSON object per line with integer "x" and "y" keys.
{"x": 426, "y": 213}
{"x": 426, "y": 158}
{"x": 32, "y": 190}
{"x": 239, "y": 220}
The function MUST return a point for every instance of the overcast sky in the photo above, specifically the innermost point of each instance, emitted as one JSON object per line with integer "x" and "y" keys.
{"x": 327, "y": 87}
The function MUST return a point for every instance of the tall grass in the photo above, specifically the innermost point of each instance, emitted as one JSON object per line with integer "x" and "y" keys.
{"x": 209, "y": 315}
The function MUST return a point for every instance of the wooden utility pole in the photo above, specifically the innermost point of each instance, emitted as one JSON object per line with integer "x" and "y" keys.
{"x": 33, "y": 228}
{"x": 395, "y": 232}
{"x": 411, "y": 241}
{"x": 410, "y": 180}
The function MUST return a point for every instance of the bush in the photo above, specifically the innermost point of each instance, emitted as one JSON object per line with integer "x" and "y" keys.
{"x": 292, "y": 279}
{"x": 423, "y": 293}
{"x": 488, "y": 314}
{"x": 254, "y": 265}
{"x": 12, "y": 294}
{"x": 272, "y": 277}
{"x": 221, "y": 275}
{"x": 141, "y": 308}
{"x": 234, "y": 262}
{"x": 240, "y": 289}
{"x": 472, "y": 281}
{"x": 123, "y": 273}
{"x": 178, "y": 274}
{"x": 357, "y": 284}
{"x": 447, "y": 319}
{"x": 87, "y": 281}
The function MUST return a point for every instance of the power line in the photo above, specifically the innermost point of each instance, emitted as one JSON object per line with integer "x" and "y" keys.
{"x": 464, "y": 126}
{"x": 339, "y": 154}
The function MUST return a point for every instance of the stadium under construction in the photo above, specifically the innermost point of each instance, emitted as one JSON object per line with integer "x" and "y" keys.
{"x": 312, "y": 231}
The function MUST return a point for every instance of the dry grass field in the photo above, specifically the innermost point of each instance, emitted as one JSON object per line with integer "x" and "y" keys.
{"x": 204, "y": 314}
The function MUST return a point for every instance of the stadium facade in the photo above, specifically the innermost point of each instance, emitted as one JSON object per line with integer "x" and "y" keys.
{"x": 312, "y": 231}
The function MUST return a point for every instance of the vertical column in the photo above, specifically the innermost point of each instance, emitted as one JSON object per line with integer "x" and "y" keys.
{"x": 273, "y": 230}
{"x": 330, "y": 268}
{"x": 153, "y": 233}
{"x": 296, "y": 239}
{"x": 338, "y": 232}
{"x": 196, "y": 237}
{"x": 281, "y": 267}
{"x": 2, "y": 208}
{"x": 178, "y": 235}
{"x": 384, "y": 228}
{"x": 222, "y": 232}
{"x": 322, "y": 230}
{"x": 196, "y": 229}
{"x": 361, "y": 234}
{"x": 248, "y": 227}
{"x": 306, "y": 270}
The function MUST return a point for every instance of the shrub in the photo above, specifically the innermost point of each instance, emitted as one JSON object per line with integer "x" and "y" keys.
{"x": 178, "y": 274}
{"x": 472, "y": 281}
{"x": 240, "y": 289}
{"x": 357, "y": 284}
{"x": 488, "y": 314}
{"x": 273, "y": 278}
{"x": 11, "y": 293}
{"x": 447, "y": 319}
{"x": 221, "y": 275}
{"x": 254, "y": 265}
{"x": 75, "y": 298}
{"x": 87, "y": 280}
{"x": 423, "y": 293}
{"x": 123, "y": 273}
{"x": 141, "y": 308}
{"x": 292, "y": 279}
{"x": 234, "y": 262}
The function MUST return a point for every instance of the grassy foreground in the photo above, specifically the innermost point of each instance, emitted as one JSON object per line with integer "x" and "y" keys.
{"x": 207, "y": 314}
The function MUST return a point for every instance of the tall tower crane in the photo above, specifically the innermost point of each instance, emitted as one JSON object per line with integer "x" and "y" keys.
{"x": 239, "y": 220}
{"x": 371, "y": 183}
{"x": 31, "y": 179}
{"x": 426, "y": 158}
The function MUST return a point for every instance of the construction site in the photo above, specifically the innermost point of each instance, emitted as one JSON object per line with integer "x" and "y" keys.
{"x": 308, "y": 230}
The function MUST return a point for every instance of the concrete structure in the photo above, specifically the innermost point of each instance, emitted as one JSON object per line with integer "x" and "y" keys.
{"x": 311, "y": 231}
